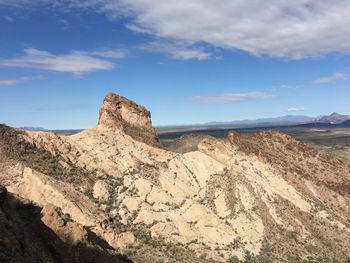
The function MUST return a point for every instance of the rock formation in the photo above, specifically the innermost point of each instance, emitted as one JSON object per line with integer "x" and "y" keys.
{"x": 262, "y": 196}
{"x": 119, "y": 113}
{"x": 30, "y": 234}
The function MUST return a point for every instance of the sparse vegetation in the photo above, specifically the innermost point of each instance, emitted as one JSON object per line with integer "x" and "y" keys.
{"x": 256, "y": 193}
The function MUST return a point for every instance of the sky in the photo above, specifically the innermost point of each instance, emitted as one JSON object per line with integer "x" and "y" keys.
{"x": 187, "y": 61}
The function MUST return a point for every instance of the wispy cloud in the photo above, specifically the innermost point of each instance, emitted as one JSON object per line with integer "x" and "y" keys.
{"x": 295, "y": 109}
{"x": 109, "y": 53}
{"x": 63, "y": 23}
{"x": 284, "y": 29}
{"x": 233, "y": 97}
{"x": 335, "y": 77}
{"x": 178, "y": 50}
{"x": 13, "y": 82}
{"x": 9, "y": 19}
{"x": 75, "y": 62}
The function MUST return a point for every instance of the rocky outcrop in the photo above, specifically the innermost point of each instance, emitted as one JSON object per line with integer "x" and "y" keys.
{"x": 69, "y": 231}
{"x": 119, "y": 113}
{"x": 186, "y": 143}
{"x": 101, "y": 190}
{"x": 32, "y": 234}
{"x": 264, "y": 194}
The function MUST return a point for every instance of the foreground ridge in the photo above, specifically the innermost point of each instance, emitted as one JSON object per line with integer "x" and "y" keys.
{"x": 264, "y": 196}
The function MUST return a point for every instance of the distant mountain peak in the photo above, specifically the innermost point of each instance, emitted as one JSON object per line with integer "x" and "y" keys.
{"x": 334, "y": 118}
{"x": 335, "y": 114}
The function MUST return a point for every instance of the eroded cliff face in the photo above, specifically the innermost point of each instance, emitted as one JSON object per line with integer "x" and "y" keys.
{"x": 119, "y": 113}
{"x": 262, "y": 195}
{"x": 32, "y": 234}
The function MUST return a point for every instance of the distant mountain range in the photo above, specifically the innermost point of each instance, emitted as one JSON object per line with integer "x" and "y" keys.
{"x": 32, "y": 129}
{"x": 344, "y": 124}
{"x": 288, "y": 119}
{"x": 300, "y": 120}
{"x": 334, "y": 118}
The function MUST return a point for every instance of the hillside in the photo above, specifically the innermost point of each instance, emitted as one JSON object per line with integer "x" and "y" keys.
{"x": 259, "y": 197}
{"x": 32, "y": 234}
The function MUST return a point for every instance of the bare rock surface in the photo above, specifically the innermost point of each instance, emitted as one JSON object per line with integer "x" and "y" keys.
{"x": 31, "y": 234}
{"x": 262, "y": 195}
{"x": 101, "y": 190}
{"x": 119, "y": 113}
{"x": 69, "y": 231}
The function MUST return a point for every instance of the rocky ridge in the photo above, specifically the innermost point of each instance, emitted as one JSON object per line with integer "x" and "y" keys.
{"x": 262, "y": 196}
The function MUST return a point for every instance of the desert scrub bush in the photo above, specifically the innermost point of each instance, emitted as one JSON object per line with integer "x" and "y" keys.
{"x": 118, "y": 227}
{"x": 236, "y": 243}
{"x": 133, "y": 192}
{"x": 142, "y": 234}
{"x": 89, "y": 193}
{"x": 317, "y": 208}
{"x": 249, "y": 258}
{"x": 292, "y": 235}
{"x": 122, "y": 189}
{"x": 233, "y": 259}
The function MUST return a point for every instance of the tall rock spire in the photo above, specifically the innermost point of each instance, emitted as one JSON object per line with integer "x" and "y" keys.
{"x": 119, "y": 113}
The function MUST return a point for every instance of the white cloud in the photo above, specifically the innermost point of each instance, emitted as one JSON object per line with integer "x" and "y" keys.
{"x": 74, "y": 62}
{"x": 287, "y": 29}
{"x": 12, "y": 82}
{"x": 295, "y": 109}
{"x": 279, "y": 28}
{"x": 177, "y": 50}
{"x": 109, "y": 53}
{"x": 335, "y": 77}
{"x": 233, "y": 97}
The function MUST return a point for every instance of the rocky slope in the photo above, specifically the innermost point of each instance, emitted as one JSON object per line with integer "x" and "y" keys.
{"x": 31, "y": 234}
{"x": 261, "y": 197}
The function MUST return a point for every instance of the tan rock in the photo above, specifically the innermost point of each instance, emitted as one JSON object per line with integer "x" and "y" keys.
{"x": 101, "y": 190}
{"x": 69, "y": 231}
{"x": 219, "y": 192}
{"x": 125, "y": 239}
{"x": 119, "y": 113}
{"x": 132, "y": 203}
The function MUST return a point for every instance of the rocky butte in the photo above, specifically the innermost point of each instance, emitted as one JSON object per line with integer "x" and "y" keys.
{"x": 119, "y": 113}
{"x": 113, "y": 194}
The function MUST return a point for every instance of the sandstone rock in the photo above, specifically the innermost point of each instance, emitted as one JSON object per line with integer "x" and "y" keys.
{"x": 232, "y": 137}
{"x": 101, "y": 190}
{"x": 69, "y": 231}
{"x": 218, "y": 197}
{"x": 119, "y": 113}
{"x": 125, "y": 239}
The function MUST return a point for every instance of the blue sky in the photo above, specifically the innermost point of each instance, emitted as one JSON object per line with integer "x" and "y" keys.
{"x": 188, "y": 62}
